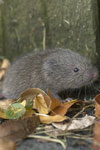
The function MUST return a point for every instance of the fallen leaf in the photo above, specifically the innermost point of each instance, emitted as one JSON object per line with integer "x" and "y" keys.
{"x": 55, "y": 102}
{"x": 4, "y": 66}
{"x": 97, "y": 105}
{"x": 79, "y": 123}
{"x": 41, "y": 105}
{"x": 23, "y": 103}
{"x": 17, "y": 130}
{"x": 3, "y": 115}
{"x": 6, "y": 144}
{"x": 5, "y": 103}
{"x": 47, "y": 119}
{"x": 31, "y": 93}
{"x": 63, "y": 108}
{"x": 15, "y": 111}
{"x": 96, "y": 144}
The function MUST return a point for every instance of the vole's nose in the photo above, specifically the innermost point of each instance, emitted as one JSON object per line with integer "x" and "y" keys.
{"x": 95, "y": 74}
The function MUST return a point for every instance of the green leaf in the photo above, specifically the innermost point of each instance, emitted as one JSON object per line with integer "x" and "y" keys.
{"x": 15, "y": 111}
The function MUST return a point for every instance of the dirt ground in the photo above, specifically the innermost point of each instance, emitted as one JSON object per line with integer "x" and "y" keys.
{"x": 32, "y": 144}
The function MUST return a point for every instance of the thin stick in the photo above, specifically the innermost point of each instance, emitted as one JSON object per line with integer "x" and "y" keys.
{"x": 48, "y": 139}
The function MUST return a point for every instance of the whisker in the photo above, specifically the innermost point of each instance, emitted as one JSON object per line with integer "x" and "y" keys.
{"x": 98, "y": 90}
{"x": 71, "y": 92}
{"x": 79, "y": 93}
{"x": 85, "y": 93}
{"x": 90, "y": 91}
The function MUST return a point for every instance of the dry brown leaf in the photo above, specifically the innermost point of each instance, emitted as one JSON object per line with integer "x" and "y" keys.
{"x": 47, "y": 119}
{"x": 39, "y": 98}
{"x": 17, "y": 130}
{"x": 5, "y": 103}
{"x": 3, "y": 115}
{"x": 6, "y": 144}
{"x": 96, "y": 144}
{"x": 76, "y": 124}
{"x": 97, "y": 105}
{"x": 62, "y": 110}
{"x": 41, "y": 104}
{"x": 55, "y": 102}
{"x": 31, "y": 93}
{"x": 4, "y": 66}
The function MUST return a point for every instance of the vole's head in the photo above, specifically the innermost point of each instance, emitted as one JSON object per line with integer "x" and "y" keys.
{"x": 68, "y": 69}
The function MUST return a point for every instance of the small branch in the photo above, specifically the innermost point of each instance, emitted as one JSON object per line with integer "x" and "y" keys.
{"x": 48, "y": 139}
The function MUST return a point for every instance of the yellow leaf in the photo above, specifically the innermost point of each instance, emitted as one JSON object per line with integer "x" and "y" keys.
{"x": 3, "y": 115}
{"x": 23, "y": 103}
{"x": 41, "y": 105}
{"x": 4, "y": 66}
{"x": 5, "y": 103}
{"x": 31, "y": 93}
{"x": 63, "y": 108}
{"x": 47, "y": 119}
{"x": 55, "y": 102}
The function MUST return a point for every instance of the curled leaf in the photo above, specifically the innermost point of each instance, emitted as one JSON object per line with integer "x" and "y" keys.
{"x": 55, "y": 102}
{"x": 23, "y": 103}
{"x": 5, "y": 103}
{"x": 31, "y": 93}
{"x": 97, "y": 105}
{"x": 47, "y": 119}
{"x": 96, "y": 144}
{"x": 63, "y": 108}
{"x": 4, "y": 66}
{"x": 41, "y": 104}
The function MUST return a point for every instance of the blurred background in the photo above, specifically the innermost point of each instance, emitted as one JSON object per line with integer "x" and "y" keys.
{"x": 27, "y": 25}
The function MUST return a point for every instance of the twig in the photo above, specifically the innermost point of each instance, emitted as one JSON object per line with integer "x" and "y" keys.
{"x": 80, "y": 112}
{"x": 92, "y": 105}
{"x": 49, "y": 139}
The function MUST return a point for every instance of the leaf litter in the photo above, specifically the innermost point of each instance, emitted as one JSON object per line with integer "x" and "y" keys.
{"x": 34, "y": 107}
{"x": 4, "y": 65}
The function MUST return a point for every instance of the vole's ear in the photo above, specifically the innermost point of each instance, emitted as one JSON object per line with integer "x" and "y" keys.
{"x": 50, "y": 64}
{"x": 48, "y": 69}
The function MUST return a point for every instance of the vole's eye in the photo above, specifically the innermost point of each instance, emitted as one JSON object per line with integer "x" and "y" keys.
{"x": 76, "y": 69}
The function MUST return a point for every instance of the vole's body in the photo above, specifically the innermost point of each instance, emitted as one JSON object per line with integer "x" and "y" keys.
{"x": 56, "y": 69}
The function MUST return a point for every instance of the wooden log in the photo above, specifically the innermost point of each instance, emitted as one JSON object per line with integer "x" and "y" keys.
{"x": 41, "y": 24}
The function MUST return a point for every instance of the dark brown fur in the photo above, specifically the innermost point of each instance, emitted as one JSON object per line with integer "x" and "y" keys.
{"x": 53, "y": 69}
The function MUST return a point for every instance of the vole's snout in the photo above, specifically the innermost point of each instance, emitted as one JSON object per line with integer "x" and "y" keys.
{"x": 94, "y": 74}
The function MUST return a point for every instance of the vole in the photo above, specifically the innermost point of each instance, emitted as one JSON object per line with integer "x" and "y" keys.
{"x": 56, "y": 70}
